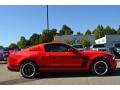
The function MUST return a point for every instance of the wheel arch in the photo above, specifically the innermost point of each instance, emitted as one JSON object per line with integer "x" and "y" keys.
{"x": 97, "y": 59}
{"x": 28, "y": 60}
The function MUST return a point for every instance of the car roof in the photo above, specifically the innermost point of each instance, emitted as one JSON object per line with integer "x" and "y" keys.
{"x": 54, "y": 43}
{"x": 41, "y": 45}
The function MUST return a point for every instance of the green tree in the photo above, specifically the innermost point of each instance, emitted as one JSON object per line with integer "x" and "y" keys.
{"x": 113, "y": 31}
{"x": 48, "y": 35}
{"x": 118, "y": 30}
{"x": 66, "y": 30}
{"x": 22, "y": 43}
{"x": 53, "y": 32}
{"x": 28, "y": 43}
{"x": 79, "y": 33}
{"x": 85, "y": 43}
{"x": 34, "y": 39}
{"x": 99, "y": 32}
{"x": 13, "y": 45}
{"x": 88, "y": 32}
{"x": 108, "y": 30}
{"x": 68, "y": 42}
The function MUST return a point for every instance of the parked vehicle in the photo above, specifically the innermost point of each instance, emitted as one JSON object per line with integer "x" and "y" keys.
{"x": 99, "y": 47}
{"x": 117, "y": 47}
{"x": 115, "y": 53}
{"x": 78, "y": 47}
{"x": 4, "y": 52}
{"x": 115, "y": 50}
{"x": 59, "y": 57}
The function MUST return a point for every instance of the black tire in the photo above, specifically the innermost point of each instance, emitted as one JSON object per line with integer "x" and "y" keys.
{"x": 28, "y": 70}
{"x": 100, "y": 68}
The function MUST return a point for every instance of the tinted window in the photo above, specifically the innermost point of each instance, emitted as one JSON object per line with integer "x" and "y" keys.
{"x": 98, "y": 45}
{"x": 56, "y": 48}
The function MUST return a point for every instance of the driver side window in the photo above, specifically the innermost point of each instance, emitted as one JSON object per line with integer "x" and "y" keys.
{"x": 56, "y": 48}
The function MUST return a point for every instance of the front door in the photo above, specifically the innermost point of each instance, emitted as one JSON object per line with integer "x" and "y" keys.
{"x": 61, "y": 58}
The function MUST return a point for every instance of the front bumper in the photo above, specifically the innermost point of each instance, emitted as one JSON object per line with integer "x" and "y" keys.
{"x": 113, "y": 64}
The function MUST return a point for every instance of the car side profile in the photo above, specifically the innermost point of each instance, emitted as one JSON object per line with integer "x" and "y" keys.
{"x": 59, "y": 57}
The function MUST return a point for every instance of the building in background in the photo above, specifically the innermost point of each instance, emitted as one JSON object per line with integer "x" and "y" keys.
{"x": 108, "y": 40}
{"x": 75, "y": 39}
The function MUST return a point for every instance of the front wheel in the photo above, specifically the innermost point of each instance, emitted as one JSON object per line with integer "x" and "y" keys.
{"x": 100, "y": 68}
{"x": 28, "y": 70}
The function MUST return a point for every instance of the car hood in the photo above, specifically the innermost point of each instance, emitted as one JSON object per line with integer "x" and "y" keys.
{"x": 93, "y": 52}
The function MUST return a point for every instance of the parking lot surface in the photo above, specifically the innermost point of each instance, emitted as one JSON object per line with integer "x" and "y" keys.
{"x": 14, "y": 78}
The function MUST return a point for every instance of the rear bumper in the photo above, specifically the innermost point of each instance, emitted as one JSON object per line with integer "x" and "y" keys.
{"x": 13, "y": 68}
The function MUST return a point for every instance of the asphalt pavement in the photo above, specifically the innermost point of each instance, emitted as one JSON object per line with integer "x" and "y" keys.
{"x": 14, "y": 78}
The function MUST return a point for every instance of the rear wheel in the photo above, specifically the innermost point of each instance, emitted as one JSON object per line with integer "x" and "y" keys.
{"x": 28, "y": 70}
{"x": 100, "y": 68}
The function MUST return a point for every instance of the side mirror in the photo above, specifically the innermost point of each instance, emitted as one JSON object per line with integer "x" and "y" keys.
{"x": 71, "y": 50}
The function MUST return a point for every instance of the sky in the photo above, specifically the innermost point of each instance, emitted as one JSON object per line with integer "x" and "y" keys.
{"x": 17, "y": 21}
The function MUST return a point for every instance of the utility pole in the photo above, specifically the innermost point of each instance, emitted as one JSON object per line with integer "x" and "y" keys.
{"x": 47, "y": 18}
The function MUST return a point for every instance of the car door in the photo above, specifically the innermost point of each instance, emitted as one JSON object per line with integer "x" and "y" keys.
{"x": 60, "y": 56}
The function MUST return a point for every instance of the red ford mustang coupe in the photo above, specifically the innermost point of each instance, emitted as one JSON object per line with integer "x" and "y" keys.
{"x": 59, "y": 57}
